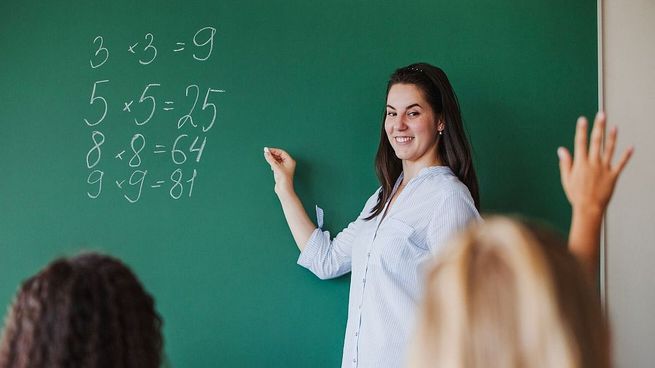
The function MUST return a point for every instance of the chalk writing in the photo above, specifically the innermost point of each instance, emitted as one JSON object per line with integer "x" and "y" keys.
{"x": 136, "y": 165}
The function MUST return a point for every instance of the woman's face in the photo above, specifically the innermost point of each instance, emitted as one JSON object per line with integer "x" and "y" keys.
{"x": 411, "y": 125}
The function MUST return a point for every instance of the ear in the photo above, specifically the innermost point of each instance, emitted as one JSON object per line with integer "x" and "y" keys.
{"x": 441, "y": 126}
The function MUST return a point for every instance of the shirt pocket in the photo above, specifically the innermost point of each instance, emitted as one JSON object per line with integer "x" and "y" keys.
{"x": 401, "y": 249}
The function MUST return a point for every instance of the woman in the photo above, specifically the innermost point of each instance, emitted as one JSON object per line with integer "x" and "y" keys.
{"x": 428, "y": 191}
{"x": 88, "y": 311}
{"x": 508, "y": 294}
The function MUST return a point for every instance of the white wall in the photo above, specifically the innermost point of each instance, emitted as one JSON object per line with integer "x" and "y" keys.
{"x": 627, "y": 71}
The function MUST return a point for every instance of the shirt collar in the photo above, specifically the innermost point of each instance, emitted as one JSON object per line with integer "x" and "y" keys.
{"x": 427, "y": 171}
{"x": 431, "y": 170}
{"x": 424, "y": 172}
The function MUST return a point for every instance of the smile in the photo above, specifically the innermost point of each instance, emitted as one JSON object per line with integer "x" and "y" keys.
{"x": 403, "y": 139}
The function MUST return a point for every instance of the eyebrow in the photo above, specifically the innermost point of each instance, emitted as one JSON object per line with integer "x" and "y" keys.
{"x": 408, "y": 107}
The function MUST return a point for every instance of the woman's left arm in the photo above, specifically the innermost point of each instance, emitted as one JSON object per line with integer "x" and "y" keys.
{"x": 453, "y": 214}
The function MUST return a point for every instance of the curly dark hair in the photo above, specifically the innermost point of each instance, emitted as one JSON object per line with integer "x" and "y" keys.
{"x": 89, "y": 311}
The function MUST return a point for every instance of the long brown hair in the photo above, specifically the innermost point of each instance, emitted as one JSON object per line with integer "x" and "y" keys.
{"x": 509, "y": 294}
{"x": 453, "y": 147}
{"x": 89, "y": 311}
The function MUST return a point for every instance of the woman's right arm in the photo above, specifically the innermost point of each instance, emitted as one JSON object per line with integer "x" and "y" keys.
{"x": 325, "y": 257}
{"x": 283, "y": 167}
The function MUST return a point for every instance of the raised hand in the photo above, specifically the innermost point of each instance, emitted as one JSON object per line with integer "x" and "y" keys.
{"x": 588, "y": 181}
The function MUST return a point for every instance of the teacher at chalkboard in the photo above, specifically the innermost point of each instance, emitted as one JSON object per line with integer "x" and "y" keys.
{"x": 428, "y": 191}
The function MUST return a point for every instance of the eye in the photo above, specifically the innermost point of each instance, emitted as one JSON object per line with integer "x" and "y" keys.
{"x": 391, "y": 113}
{"x": 413, "y": 113}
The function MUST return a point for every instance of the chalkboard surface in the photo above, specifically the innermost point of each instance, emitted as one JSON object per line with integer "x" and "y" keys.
{"x": 137, "y": 129}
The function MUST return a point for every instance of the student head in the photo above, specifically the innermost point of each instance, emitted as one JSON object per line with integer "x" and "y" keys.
{"x": 448, "y": 142}
{"x": 87, "y": 311}
{"x": 507, "y": 294}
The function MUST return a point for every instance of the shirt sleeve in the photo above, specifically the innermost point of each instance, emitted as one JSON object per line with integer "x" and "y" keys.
{"x": 451, "y": 215}
{"x": 329, "y": 258}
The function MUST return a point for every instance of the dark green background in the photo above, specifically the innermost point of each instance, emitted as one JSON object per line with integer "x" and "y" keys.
{"x": 306, "y": 76}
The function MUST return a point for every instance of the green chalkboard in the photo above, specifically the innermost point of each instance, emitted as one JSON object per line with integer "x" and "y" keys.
{"x": 199, "y": 221}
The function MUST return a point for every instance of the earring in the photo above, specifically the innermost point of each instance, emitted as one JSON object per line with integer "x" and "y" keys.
{"x": 441, "y": 132}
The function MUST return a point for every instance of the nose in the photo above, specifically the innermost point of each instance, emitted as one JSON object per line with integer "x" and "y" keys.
{"x": 401, "y": 123}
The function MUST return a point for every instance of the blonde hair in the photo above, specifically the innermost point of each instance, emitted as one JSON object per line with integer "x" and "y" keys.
{"x": 505, "y": 294}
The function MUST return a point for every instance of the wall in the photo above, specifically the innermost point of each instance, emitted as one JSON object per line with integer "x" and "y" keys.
{"x": 628, "y": 93}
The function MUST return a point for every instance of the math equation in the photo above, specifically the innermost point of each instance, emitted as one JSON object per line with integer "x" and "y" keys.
{"x": 187, "y": 132}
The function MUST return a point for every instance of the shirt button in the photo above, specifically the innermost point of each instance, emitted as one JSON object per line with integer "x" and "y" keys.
{"x": 356, "y": 333}
{"x": 354, "y": 360}
{"x": 369, "y": 254}
{"x": 364, "y": 280}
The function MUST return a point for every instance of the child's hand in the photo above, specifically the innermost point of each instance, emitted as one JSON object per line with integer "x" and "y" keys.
{"x": 589, "y": 178}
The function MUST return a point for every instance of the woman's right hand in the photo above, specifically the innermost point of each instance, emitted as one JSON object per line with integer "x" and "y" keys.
{"x": 283, "y": 166}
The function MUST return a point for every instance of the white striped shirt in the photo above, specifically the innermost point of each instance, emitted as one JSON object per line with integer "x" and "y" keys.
{"x": 386, "y": 258}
